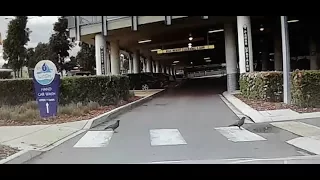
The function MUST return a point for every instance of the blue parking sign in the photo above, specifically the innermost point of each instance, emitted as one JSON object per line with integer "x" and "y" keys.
{"x": 46, "y": 84}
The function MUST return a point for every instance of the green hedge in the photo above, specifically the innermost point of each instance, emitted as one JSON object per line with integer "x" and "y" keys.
{"x": 265, "y": 86}
{"x": 305, "y": 89}
{"x": 5, "y": 75}
{"x": 268, "y": 86}
{"x": 105, "y": 90}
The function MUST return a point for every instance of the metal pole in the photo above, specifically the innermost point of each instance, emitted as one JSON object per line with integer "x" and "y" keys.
{"x": 286, "y": 60}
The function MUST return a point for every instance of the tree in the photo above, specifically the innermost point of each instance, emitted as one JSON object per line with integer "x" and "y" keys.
{"x": 13, "y": 46}
{"x": 73, "y": 61}
{"x": 59, "y": 41}
{"x": 43, "y": 51}
{"x": 5, "y": 66}
{"x": 30, "y": 58}
{"x": 86, "y": 57}
{"x": 68, "y": 66}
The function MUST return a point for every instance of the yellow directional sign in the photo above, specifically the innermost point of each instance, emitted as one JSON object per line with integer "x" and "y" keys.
{"x": 196, "y": 48}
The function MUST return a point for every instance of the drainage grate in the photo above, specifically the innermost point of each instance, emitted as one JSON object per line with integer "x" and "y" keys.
{"x": 265, "y": 129}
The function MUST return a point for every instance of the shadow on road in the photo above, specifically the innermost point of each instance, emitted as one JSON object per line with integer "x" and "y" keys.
{"x": 201, "y": 87}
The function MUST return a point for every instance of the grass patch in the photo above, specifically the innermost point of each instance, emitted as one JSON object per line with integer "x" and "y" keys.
{"x": 29, "y": 111}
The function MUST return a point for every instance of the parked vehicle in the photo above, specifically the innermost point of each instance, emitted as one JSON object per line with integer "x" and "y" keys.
{"x": 164, "y": 78}
{"x": 78, "y": 73}
{"x": 145, "y": 81}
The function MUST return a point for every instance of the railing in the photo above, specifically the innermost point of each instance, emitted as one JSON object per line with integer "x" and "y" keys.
{"x": 86, "y": 20}
{"x": 110, "y": 18}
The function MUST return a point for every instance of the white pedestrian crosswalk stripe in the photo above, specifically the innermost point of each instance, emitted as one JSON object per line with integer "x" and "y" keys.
{"x": 299, "y": 128}
{"x": 94, "y": 139}
{"x": 237, "y": 135}
{"x": 162, "y": 137}
{"x": 311, "y": 144}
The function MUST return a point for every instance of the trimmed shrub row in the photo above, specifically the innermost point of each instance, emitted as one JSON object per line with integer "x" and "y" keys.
{"x": 105, "y": 90}
{"x": 265, "y": 86}
{"x": 5, "y": 75}
{"x": 305, "y": 88}
{"x": 268, "y": 86}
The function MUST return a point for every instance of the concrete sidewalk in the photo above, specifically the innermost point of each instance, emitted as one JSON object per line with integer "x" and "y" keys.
{"x": 45, "y": 137}
{"x": 266, "y": 116}
{"x": 305, "y": 125}
{"x": 37, "y": 137}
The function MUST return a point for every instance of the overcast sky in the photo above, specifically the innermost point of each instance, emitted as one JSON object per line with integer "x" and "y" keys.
{"x": 41, "y": 27}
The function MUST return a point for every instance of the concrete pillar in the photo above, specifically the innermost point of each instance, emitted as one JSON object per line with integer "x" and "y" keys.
{"x": 313, "y": 54}
{"x": 136, "y": 62}
{"x": 153, "y": 66}
{"x": 115, "y": 57}
{"x": 265, "y": 55}
{"x": 149, "y": 65}
{"x": 277, "y": 48}
{"x": 286, "y": 59}
{"x": 163, "y": 69}
{"x": 130, "y": 64}
{"x": 144, "y": 64}
{"x": 100, "y": 54}
{"x": 157, "y": 66}
{"x": 231, "y": 57}
{"x": 167, "y": 70}
{"x": 245, "y": 44}
{"x": 108, "y": 61}
{"x": 172, "y": 71}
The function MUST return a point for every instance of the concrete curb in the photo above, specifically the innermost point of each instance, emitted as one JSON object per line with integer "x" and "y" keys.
{"x": 234, "y": 109}
{"x": 314, "y": 159}
{"x": 256, "y": 115}
{"x": 21, "y": 157}
{"x": 26, "y": 155}
{"x": 245, "y": 109}
{"x": 120, "y": 110}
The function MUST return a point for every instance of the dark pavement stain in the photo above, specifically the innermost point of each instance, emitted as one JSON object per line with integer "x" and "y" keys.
{"x": 263, "y": 129}
{"x": 160, "y": 104}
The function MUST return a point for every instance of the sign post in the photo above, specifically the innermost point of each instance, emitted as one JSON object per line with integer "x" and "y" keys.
{"x": 286, "y": 60}
{"x": 46, "y": 82}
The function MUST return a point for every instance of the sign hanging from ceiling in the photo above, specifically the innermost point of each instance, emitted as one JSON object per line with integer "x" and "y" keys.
{"x": 184, "y": 49}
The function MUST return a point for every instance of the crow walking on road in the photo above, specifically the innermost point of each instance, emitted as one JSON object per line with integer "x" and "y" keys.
{"x": 239, "y": 123}
{"x": 113, "y": 126}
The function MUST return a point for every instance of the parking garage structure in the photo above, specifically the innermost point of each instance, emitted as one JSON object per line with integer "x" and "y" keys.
{"x": 169, "y": 43}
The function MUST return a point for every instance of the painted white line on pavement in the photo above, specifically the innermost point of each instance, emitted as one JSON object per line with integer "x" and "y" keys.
{"x": 160, "y": 137}
{"x": 94, "y": 139}
{"x": 236, "y": 135}
{"x": 311, "y": 144}
{"x": 299, "y": 128}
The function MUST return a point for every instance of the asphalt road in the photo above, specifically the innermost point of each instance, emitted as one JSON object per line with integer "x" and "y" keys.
{"x": 195, "y": 109}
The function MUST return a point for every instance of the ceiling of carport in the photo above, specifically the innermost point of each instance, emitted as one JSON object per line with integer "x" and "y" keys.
{"x": 173, "y": 36}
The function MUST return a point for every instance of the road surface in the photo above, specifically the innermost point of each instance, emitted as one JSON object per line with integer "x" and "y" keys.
{"x": 177, "y": 126}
